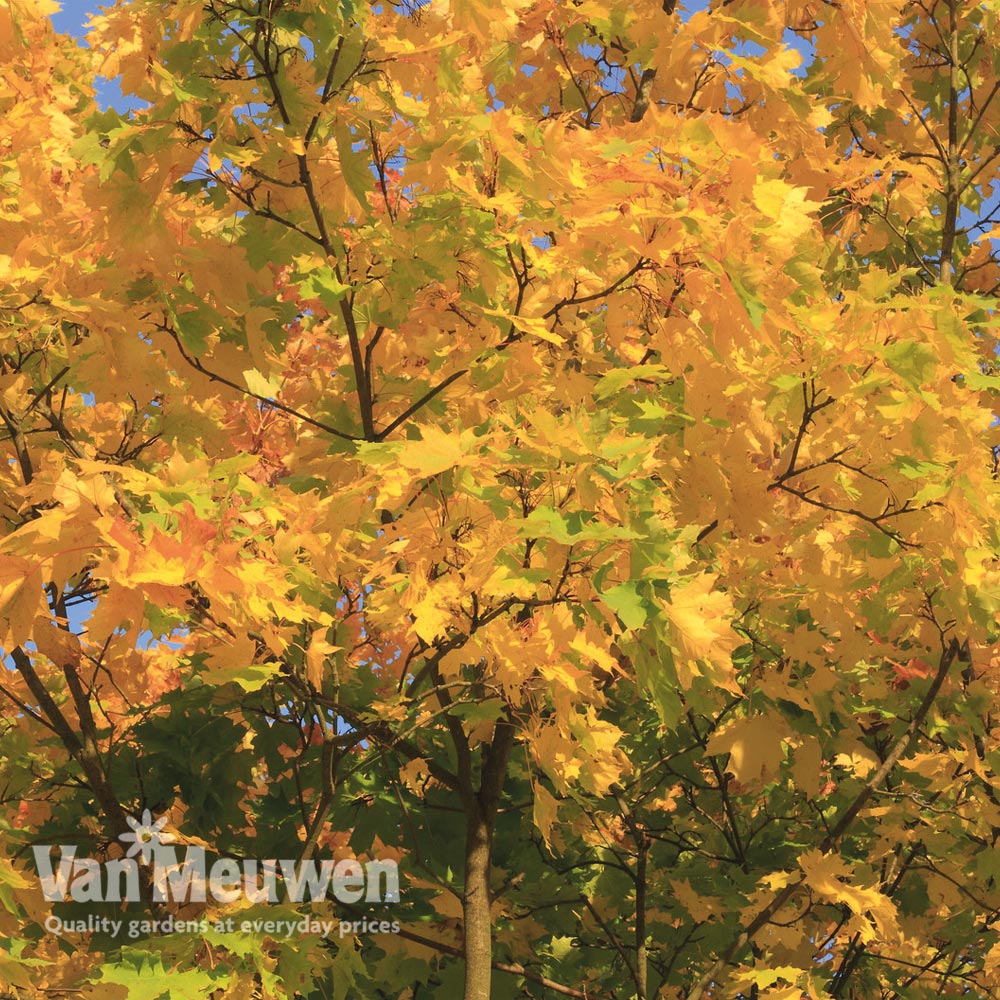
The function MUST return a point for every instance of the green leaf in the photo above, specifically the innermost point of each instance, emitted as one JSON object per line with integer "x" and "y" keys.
{"x": 626, "y": 602}
{"x": 193, "y": 328}
{"x": 545, "y": 522}
{"x": 354, "y": 166}
{"x": 259, "y": 385}
{"x": 913, "y": 361}
{"x": 251, "y": 677}
{"x": 656, "y": 675}
{"x": 615, "y": 380}
{"x": 144, "y": 978}
{"x": 616, "y": 147}
{"x": 478, "y": 711}
{"x": 754, "y": 306}
{"x": 322, "y": 284}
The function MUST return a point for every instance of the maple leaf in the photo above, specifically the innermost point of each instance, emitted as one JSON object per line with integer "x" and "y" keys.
{"x": 754, "y": 746}
{"x": 832, "y": 879}
{"x": 700, "y": 619}
{"x": 20, "y": 598}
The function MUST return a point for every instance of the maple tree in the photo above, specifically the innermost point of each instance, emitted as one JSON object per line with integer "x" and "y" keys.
{"x": 550, "y": 445}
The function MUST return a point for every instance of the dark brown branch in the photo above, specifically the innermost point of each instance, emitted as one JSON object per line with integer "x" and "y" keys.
{"x": 577, "y": 300}
{"x": 273, "y": 403}
{"x": 420, "y": 403}
{"x": 45, "y": 389}
{"x": 86, "y": 756}
{"x": 643, "y": 95}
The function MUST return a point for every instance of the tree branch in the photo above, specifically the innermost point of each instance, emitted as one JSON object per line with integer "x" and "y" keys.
{"x": 715, "y": 974}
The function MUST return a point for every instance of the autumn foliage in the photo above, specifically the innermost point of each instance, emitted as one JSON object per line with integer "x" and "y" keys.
{"x": 547, "y": 444}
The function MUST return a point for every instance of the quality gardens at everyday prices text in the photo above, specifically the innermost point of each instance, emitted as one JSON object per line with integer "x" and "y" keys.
{"x": 278, "y": 928}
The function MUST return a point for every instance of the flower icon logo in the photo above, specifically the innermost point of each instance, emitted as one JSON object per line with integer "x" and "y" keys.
{"x": 145, "y": 835}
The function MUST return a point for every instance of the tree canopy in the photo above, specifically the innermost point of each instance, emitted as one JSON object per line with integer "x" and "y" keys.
{"x": 546, "y": 444}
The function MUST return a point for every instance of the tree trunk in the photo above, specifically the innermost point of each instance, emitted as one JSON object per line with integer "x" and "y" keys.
{"x": 481, "y": 811}
{"x": 476, "y": 907}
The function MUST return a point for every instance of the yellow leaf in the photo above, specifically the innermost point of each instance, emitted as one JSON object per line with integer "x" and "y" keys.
{"x": 9, "y": 875}
{"x": 754, "y": 746}
{"x": 234, "y": 653}
{"x": 782, "y": 993}
{"x": 705, "y": 640}
{"x": 594, "y": 653}
{"x": 60, "y": 646}
{"x": 778, "y": 880}
{"x": 533, "y": 325}
{"x": 20, "y": 596}
{"x": 546, "y": 807}
{"x": 39, "y": 8}
{"x": 808, "y": 767}
{"x": 260, "y": 385}
{"x": 290, "y": 144}
{"x": 408, "y": 107}
{"x": 431, "y": 614}
{"x": 162, "y": 562}
{"x": 700, "y": 906}
{"x": 829, "y": 877}
{"x": 316, "y": 654}
{"x": 436, "y": 451}
{"x": 991, "y": 962}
